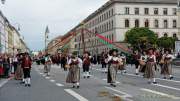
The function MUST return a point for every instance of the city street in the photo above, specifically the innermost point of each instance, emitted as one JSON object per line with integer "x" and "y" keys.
{"x": 129, "y": 87}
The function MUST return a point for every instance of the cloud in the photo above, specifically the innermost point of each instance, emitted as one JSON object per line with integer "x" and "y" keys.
{"x": 60, "y": 15}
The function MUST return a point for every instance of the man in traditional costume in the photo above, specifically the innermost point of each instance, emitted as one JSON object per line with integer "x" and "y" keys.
{"x": 74, "y": 70}
{"x": 86, "y": 65}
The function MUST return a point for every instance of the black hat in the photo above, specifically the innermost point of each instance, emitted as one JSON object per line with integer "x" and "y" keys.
{"x": 75, "y": 53}
{"x": 113, "y": 50}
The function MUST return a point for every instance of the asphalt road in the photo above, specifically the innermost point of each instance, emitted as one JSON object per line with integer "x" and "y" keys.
{"x": 130, "y": 87}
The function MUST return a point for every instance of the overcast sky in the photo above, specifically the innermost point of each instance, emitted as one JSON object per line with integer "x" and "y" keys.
{"x": 35, "y": 15}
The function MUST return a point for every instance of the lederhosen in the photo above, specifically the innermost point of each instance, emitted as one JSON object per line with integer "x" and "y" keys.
{"x": 74, "y": 72}
{"x": 86, "y": 64}
{"x": 112, "y": 71}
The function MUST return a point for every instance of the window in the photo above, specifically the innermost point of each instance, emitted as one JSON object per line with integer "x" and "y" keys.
{"x": 136, "y": 23}
{"x": 174, "y": 35}
{"x": 126, "y": 23}
{"x": 156, "y": 23}
{"x": 174, "y": 23}
{"x": 165, "y": 35}
{"x": 146, "y": 11}
{"x": 127, "y": 10}
{"x": 156, "y": 11}
{"x": 146, "y": 23}
{"x": 136, "y": 11}
{"x": 174, "y": 11}
{"x": 165, "y": 24}
{"x": 165, "y": 11}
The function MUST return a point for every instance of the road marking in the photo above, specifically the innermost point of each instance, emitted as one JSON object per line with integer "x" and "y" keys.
{"x": 126, "y": 99}
{"x": 47, "y": 77}
{"x": 41, "y": 73}
{"x": 52, "y": 80}
{"x": 167, "y": 87}
{"x": 60, "y": 85}
{"x": 155, "y": 78}
{"x": 76, "y": 95}
{"x": 160, "y": 93}
{"x": 125, "y": 94}
{"x": 168, "y": 80}
{"x": 106, "y": 80}
{"x": 4, "y": 82}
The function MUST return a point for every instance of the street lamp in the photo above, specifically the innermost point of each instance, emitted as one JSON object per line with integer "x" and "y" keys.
{"x": 3, "y": 1}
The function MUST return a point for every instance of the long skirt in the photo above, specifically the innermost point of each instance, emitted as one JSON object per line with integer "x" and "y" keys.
{"x": 74, "y": 74}
{"x": 19, "y": 73}
{"x": 150, "y": 70}
{"x": 112, "y": 73}
{"x": 166, "y": 69}
{"x": 142, "y": 68}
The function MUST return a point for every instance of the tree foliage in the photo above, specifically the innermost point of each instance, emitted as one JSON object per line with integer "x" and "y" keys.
{"x": 141, "y": 38}
{"x": 166, "y": 42}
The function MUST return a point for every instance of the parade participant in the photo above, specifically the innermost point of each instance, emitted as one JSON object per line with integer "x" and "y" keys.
{"x": 74, "y": 70}
{"x": 167, "y": 67}
{"x": 48, "y": 63}
{"x": 6, "y": 65}
{"x": 114, "y": 63}
{"x": 26, "y": 65}
{"x": 150, "y": 67}
{"x": 15, "y": 63}
{"x": 136, "y": 62}
{"x": 63, "y": 62}
{"x": 142, "y": 62}
{"x": 123, "y": 66}
{"x": 104, "y": 61}
{"x": 86, "y": 64}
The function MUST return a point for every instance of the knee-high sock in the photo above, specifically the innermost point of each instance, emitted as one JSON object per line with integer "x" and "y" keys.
{"x": 29, "y": 80}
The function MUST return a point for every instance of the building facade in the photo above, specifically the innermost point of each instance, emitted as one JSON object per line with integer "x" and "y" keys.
{"x": 116, "y": 17}
{"x": 10, "y": 39}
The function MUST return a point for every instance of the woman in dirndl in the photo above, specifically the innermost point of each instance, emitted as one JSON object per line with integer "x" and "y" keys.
{"x": 113, "y": 67}
{"x": 74, "y": 70}
{"x": 150, "y": 67}
{"x": 167, "y": 67}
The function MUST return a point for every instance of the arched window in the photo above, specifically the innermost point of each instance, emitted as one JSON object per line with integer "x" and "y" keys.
{"x": 165, "y": 35}
{"x": 156, "y": 23}
{"x": 126, "y": 23}
{"x": 174, "y": 35}
{"x": 146, "y": 23}
{"x": 136, "y": 23}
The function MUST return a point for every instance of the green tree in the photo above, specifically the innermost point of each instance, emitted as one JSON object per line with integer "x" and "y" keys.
{"x": 141, "y": 38}
{"x": 166, "y": 42}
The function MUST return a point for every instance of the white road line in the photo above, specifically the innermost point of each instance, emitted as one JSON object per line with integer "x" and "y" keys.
{"x": 168, "y": 80}
{"x": 4, "y": 82}
{"x": 160, "y": 93}
{"x": 106, "y": 80}
{"x": 125, "y": 94}
{"x": 52, "y": 80}
{"x": 156, "y": 78}
{"x": 41, "y": 73}
{"x": 76, "y": 95}
{"x": 126, "y": 99}
{"x": 164, "y": 86}
{"x": 47, "y": 77}
{"x": 60, "y": 85}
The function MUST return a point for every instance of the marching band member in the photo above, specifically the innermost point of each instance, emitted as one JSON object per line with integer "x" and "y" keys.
{"x": 86, "y": 65}
{"x": 26, "y": 65}
{"x": 150, "y": 67}
{"x": 167, "y": 67}
{"x": 142, "y": 62}
{"x": 74, "y": 70}
{"x": 114, "y": 62}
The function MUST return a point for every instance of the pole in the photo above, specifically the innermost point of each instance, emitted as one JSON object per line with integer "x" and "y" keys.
{"x": 83, "y": 42}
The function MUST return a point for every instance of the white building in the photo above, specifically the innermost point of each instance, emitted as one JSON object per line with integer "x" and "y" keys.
{"x": 116, "y": 17}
